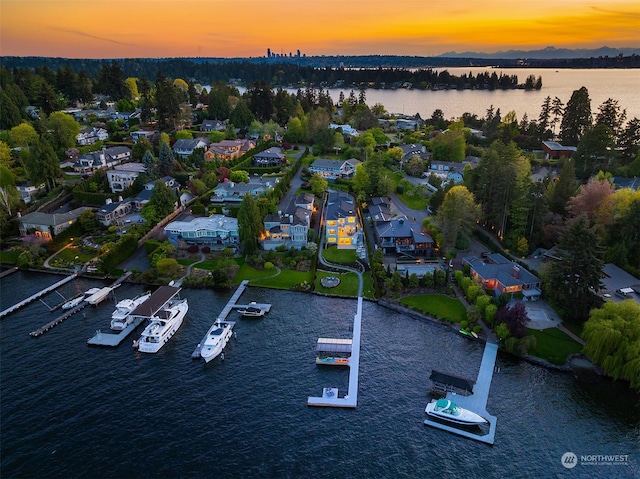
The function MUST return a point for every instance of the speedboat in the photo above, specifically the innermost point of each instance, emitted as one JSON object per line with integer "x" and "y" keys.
{"x": 450, "y": 411}
{"x": 216, "y": 340}
{"x": 162, "y": 326}
{"x": 252, "y": 312}
{"x": 121, "y": 317}
{"x": 72, "y": 303}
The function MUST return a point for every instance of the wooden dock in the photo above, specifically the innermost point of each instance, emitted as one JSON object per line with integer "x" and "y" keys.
{"x": 222, "y": 316}
{"x": 67, "y": 314}
{"x": 33, "y": 297}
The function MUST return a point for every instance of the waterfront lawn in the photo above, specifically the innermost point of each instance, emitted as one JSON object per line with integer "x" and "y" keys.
{"x": 9, "y": 257}
{"x": 438, "y": 305}
{"x": 187, "y": 261}
{"x": 553, "y": 345}
{"x": 249, "y": 273}
{"x": 348, "y": 286}
{"x": 287, "y": 279}
{"x": 335, "y": 255}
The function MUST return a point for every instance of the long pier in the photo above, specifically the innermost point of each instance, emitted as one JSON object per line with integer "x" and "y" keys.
{"x": 330, "y": 396}
{"x": 476, "y": 402}
{"x": 33, "y": 297}
{"x": 223, "y": 315}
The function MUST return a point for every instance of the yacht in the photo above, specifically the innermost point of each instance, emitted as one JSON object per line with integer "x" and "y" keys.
{"x": 163, "y": 325}
{"x": 121, "y": 317}
{"x": 216, "y": 339}
{"x": 450, "y": 411}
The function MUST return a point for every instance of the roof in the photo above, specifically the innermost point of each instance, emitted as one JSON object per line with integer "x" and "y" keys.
{"x": 340, "y": 205}
{"x": 326, "y": 164}
{"x": 455, "y": 381}
{"x": 212, "y": 223}
{"x": 52, "y": 219}
{"x": 555, "y": 146}
{"x": 156, "y": 301}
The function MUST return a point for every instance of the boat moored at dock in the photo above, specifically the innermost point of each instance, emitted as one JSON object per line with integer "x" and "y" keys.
{"x": 253, "y": 309}
{"x": 216, "y": 339}
{"x": 100, "y": 295}
{"x": 121, "y": 317}
{"x": 449, "y": 411}
{"x": 163, "y": 326}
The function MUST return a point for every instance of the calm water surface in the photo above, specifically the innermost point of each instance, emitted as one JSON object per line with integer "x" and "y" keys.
{"x": 620, "y": 85}
{"x": 74, "y": 411}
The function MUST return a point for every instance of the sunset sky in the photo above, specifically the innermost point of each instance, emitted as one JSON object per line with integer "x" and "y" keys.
{"x": 246, "y": 28}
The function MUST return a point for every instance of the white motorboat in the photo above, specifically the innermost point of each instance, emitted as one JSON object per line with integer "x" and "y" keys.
{"x": 72, "y": 303}
{"x": 163, "y": 325}
{"x": 121, "y": 317}
{"x": 216, "y": 339}
{"x": 450, "y": 411}
{"x": 253, "y": 310}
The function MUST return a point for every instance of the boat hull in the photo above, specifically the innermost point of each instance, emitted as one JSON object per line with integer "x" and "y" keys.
{"x": 463, "y": 417}
{"x": 159, "y": 332}
{"x": 216, "y": 340}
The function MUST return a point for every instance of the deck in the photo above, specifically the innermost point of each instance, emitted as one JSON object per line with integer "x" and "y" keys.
{"x": 476, "y": 402}
{"x": 114, "y": 339}
{"x": 33, "y": 297}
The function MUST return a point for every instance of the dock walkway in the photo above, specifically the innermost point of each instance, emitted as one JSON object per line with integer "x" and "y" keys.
{"x": 33, "y": 297}
{"x": 67, "y": 314}
{"x": 222, "y": 316}
{"x": 476, "y": 402}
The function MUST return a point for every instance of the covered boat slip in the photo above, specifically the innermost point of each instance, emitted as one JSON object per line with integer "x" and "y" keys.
{"x": 151, "y": 306}
{"x": 330, "y": 396}
{"x": 333, "y": 352}
{"x": 476, "y": 402}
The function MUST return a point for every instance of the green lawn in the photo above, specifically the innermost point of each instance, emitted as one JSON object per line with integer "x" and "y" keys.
{"x": 9, "y": 257}
{"x": 287, "y": 279}
{"x": 335, "y": 255}
{"x": 553, "y": 345}
{"x": 247, "y": 272}
{"x": 437, "y": 305}
{"x": 348, "y": 286}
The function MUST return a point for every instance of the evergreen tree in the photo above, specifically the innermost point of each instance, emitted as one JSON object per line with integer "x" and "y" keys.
{"x": 241, "y": 115}
{"x": 249, "y": 225}
{"x": 457, "y": 217}
{"x": 151, "y": 165}
{"x": 166, "y": 160}
{"x": 574, "y": 280}
{"x": 576, "y": 118}
{"x": 629, "y": 141}
{"x": 564, "y": 188}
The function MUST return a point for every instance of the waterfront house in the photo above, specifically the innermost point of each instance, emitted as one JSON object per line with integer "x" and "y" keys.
{"x": 504, "y": 276}
{"x": 216, "y": 232}
{"x": 342, "y": 227}
{"x": 398, "y": 236}
{"x": 46, "y": 225}
{"x": 289, "y": 228}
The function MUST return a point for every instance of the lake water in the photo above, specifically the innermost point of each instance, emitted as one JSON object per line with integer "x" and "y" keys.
{"x": 74, "y": 411}
{"x": 621, "y": 85}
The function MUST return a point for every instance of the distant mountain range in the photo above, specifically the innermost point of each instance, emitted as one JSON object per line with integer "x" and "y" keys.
{"x": 548, "y": 53}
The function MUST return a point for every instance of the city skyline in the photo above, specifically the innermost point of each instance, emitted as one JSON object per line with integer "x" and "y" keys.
{"x": 246, "y": 28}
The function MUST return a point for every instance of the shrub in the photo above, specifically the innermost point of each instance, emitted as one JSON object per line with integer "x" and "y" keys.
{"x": 268, "y": 265}
{"x": 464, "y": 324}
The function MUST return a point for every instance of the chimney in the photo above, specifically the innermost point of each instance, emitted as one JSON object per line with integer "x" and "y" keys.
{"x": 516, "y": 271}
{"x": 107, "y": 201}
{"x": 120, "y": 199}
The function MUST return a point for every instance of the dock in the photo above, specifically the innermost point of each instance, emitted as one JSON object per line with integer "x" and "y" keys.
{"x": 222, "y": 316}
{"x": 330, "y": 395}
{"x": 66, "y": 315}
{"x": 70, "y": 312}
{"x": 33, "y": 297}
{"x": 476, "y": 402}
{"x": 147, "y": 309}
